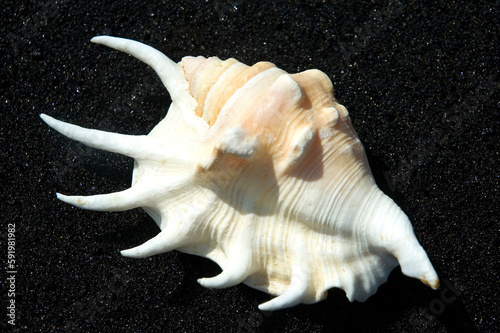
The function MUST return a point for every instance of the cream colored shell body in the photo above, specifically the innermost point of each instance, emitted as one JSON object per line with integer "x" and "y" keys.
{"x": 262, "y": 172}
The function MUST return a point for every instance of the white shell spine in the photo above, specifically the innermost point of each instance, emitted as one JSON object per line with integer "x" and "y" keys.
{"x": 266, "y": 177}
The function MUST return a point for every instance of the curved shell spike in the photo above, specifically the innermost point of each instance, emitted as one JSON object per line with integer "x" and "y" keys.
{"x": 262, "y": 172}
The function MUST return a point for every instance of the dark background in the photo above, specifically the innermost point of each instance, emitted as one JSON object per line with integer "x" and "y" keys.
{"x": 421, "y": 83}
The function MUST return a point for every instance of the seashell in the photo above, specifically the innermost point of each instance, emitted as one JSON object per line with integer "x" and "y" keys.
{"x": 262, "y": 172}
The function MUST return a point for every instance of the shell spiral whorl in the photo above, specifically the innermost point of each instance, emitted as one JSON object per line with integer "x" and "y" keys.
{"x": 262, "y": 172}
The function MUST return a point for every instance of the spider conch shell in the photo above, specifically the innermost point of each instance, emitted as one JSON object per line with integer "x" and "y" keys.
{"x": 262, "y": 172}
